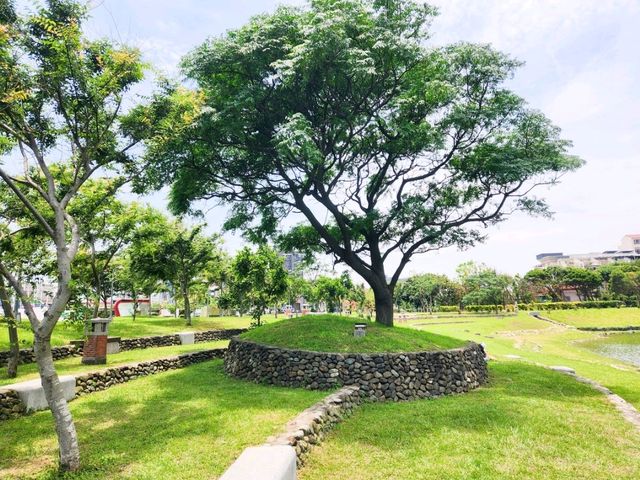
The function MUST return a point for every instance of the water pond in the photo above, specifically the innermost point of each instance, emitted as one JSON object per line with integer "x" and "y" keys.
{"x": 621, "y": 346}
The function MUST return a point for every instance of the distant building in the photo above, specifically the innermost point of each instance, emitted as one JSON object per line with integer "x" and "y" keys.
{"x": 628, "y": 251}
{"x": 292, "y": 261}
{"x": 631, "y": 242}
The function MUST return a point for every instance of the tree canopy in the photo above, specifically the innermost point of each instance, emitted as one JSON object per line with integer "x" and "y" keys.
{"x": 257, "y": 282}
{"x": 339, "y": 112}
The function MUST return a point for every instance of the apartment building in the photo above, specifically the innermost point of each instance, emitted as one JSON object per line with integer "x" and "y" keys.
{"x": 627, "y": 251}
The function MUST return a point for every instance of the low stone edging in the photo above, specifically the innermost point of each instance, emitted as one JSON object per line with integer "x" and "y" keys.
{"x": 103, "y": 379}
{"x": 379, "y": 376}
{"x": 282, "y": 454}
{"x": 310, "y": 427}
{"x": 11, "y": 406}
{"x": 628, "y": 411}
{"x": 66, "y": 351}
{"x": 28, "y": 356}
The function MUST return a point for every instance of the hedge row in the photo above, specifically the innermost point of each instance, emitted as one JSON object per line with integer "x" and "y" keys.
{"x": 533, "y": 306}
{"x": 572, "y": 305}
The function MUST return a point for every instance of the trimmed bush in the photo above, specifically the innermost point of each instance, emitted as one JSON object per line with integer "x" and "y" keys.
{"x": 572, "y": 305}
{"x": 448, "y": 309}
{"x": 488, "y": 308}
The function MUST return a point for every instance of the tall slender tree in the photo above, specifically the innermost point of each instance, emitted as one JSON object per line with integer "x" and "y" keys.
{"x": 59, "y": 92}
{"x": 179, "y": 255}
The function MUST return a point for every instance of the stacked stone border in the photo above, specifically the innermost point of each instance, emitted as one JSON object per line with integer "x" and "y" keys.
{"x": 311, "y": 426}
{"x": 12, "y": 407}
{"x": 379, "y": 376}
{"x": 281, "y": 456}
{"x": 66, "y": 351}
{"x": 27, "y": 355}
{"x": 628, "y": 411}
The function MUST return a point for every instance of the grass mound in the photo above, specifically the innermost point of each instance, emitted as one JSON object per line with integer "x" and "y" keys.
{"x": 333, "y": 333}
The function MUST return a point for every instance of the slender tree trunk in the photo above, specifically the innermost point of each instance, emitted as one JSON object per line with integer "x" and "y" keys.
{"x": 384, "y": 304}
{"x": 65, "y": 428}
{"x": 134, "y": 297}
{"x": 14, "y": 345}
{"x": 187, "y": 305}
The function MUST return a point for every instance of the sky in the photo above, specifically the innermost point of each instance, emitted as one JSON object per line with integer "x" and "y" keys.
{"x": 582, "y": 64}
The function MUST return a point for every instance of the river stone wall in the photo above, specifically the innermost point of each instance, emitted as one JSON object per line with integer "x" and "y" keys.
{"x": 310, "y": 427}
{"x": 103, "y": 379}
{"x": 27, "y": 355}
{"x": 379, "y": 376}
{"x": 11, "y": 406}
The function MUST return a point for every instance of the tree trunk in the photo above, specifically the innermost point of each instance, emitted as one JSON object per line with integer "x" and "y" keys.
{"x": 384, "y": 304}
{"x": 65, "y": 429}
{"x": 14, "y": 345}
{"x": 134, "y": 297}
{"x": 187, "y": 305}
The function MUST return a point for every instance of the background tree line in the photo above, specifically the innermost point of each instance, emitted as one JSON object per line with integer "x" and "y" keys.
{"x": 478, "y": 284}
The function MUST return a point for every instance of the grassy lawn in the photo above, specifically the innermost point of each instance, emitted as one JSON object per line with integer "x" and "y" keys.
{"x": 528, "y": 423}
{"x": 74, "y": 366}
{"x": 185, "y": 424}
{"x": 332, "y": 333}
{"x": 125, "y": 327}
{"x": 541, "y": 342}
{"x": 597, "y": 317}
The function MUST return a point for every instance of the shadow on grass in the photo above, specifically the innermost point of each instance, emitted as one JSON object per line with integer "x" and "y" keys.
{"x": 194, "y": 418}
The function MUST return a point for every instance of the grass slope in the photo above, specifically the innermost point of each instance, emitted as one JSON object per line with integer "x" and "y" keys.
{"x": 597, "y": 317}
{"x": 528, "y": 423}
{"x": 125, "y": 327}
{"x": 333, "y": 333}
{"x": 188, "y": 424}
{"x": 73, "y": 365}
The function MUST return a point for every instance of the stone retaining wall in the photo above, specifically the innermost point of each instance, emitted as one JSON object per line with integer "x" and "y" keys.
{"x": 310, "y": 427}
{"x": 380, "y": 376}
{"x": 27, "y": 355}
{"x": 213, "y": 335}
{"x": 149, "y": 342}
{"x": 11, "y": 405}
{"x": 101, "y": 380}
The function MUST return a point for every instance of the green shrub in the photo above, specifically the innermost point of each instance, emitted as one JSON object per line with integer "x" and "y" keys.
{"x": 448, "y": 309}
{"x": 572, "y": 305}
{"x": 487, "y": 308}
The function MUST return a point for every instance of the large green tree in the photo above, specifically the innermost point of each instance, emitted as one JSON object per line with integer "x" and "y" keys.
{"x": 487, "y": 287}
{"x": 549, "y": 280}
{"x": 427, "y": 291}
{"x": 107, "y": 226}
{"x": 341, "y": 113}
{"x": 177, "y": 254}
{"x": 586, "y": 282}
{"x": 257, "y": 282}
{"x": 61, "y": 95}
